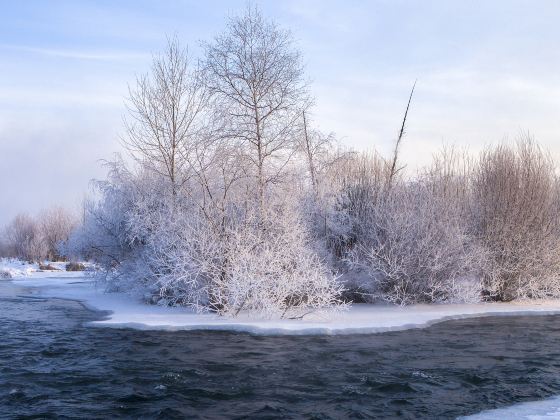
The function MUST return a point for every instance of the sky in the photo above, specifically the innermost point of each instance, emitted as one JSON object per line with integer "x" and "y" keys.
{"x": 486, "y": 71}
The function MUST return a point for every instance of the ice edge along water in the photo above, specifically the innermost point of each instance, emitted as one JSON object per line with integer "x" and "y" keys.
{"x": 123, "y": 311}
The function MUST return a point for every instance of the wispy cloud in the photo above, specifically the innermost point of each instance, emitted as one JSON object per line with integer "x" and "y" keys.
{"x": 78, "y": 55}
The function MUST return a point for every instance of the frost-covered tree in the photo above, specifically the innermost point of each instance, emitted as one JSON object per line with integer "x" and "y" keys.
{"x": 105, "y": 234}
{"x": 56, "y": 225}
{"x": 23, "y": 236}
{"x": 166, "y": 116}
{"x": 256, "y": 78}
{"x": 316, "y": 149}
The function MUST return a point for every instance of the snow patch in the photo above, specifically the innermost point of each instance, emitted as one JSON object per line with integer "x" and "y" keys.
{"x": 10, "y": 268}
{"x": 535, "y": 410}
{"x": 14, "y": 269}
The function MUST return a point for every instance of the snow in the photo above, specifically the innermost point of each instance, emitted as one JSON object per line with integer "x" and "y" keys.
{"x": 15, "y": 268}
{"x": 535, "y": 410}
{"x": 128, "y": 312}
{"x": 19, "y": 269}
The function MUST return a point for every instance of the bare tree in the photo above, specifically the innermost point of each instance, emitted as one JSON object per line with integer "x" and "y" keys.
{"x": 316, "y": 147}
{"x": 309, "y": 154}
{"x": 256, "y": 76}
{"x": 166, "y": 108}
{"x": 5, "y": 248}
{"x": 24, "y": 238}
{"x": 55, "y": 225}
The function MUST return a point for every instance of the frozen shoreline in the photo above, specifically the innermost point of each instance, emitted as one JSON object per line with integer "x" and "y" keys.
{"x": 127, "y": 312}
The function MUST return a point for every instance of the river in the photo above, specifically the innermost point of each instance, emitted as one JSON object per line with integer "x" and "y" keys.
{"x": 52, "y": 365}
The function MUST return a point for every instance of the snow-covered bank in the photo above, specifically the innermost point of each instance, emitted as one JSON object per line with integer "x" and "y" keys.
{"x": 14, "y": 269}
{"x": 535, "y": 410}
{"x": 127, "y": 312}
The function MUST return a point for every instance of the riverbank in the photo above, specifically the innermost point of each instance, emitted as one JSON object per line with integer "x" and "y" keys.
{"x": 125, "y": 311}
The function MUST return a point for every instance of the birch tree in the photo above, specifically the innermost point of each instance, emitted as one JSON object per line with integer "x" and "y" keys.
{"x": 166, "y": 108}
{"x": 256, "y": 77}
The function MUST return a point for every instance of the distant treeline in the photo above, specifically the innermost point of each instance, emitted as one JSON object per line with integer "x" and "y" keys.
{"x": 37, "y": 238}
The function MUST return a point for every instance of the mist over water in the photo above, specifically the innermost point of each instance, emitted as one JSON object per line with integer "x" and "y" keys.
{"x": 52, "y": 365}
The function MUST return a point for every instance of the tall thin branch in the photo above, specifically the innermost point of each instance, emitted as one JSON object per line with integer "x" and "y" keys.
{"x": 394, "y": 170}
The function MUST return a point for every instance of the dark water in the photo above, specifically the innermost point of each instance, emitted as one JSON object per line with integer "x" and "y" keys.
{"x": 52, "y": 366}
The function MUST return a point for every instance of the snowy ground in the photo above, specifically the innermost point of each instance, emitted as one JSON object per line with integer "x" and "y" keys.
{"x": 127, "y": 312}
{"x": 14, "y": 269}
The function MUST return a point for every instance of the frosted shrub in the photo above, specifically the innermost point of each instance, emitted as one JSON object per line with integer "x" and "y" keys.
{"x": 273, "y": 270}
{"x": 55, "y": 225}
{"x": 359, "y": 181}
{"x": 263, "y": 267}
{"x": 23, "y": 238}
{"x": 516, "y": 215}
{"x": 417, "y": 249}
{"x": 108, "y": 235}
{"x": 185, "y": 256}
{"x": 172, "y": 251}
{"x": 412, "y": 238}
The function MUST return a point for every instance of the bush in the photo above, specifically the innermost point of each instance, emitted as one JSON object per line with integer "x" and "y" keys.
{"x": 55, "y": 226}
{"x": 47, "y": 267}
{"x": 516, "y": 216}
{"x": 75, "y": 266}
{"x": 265, "y": 267}
{"x": 417, "y": 249}
{"x": 408, "y": 241}
{"x": 359, "y": 181}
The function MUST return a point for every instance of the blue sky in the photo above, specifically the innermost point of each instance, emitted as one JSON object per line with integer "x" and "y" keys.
{"x": 486, "y": 70}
